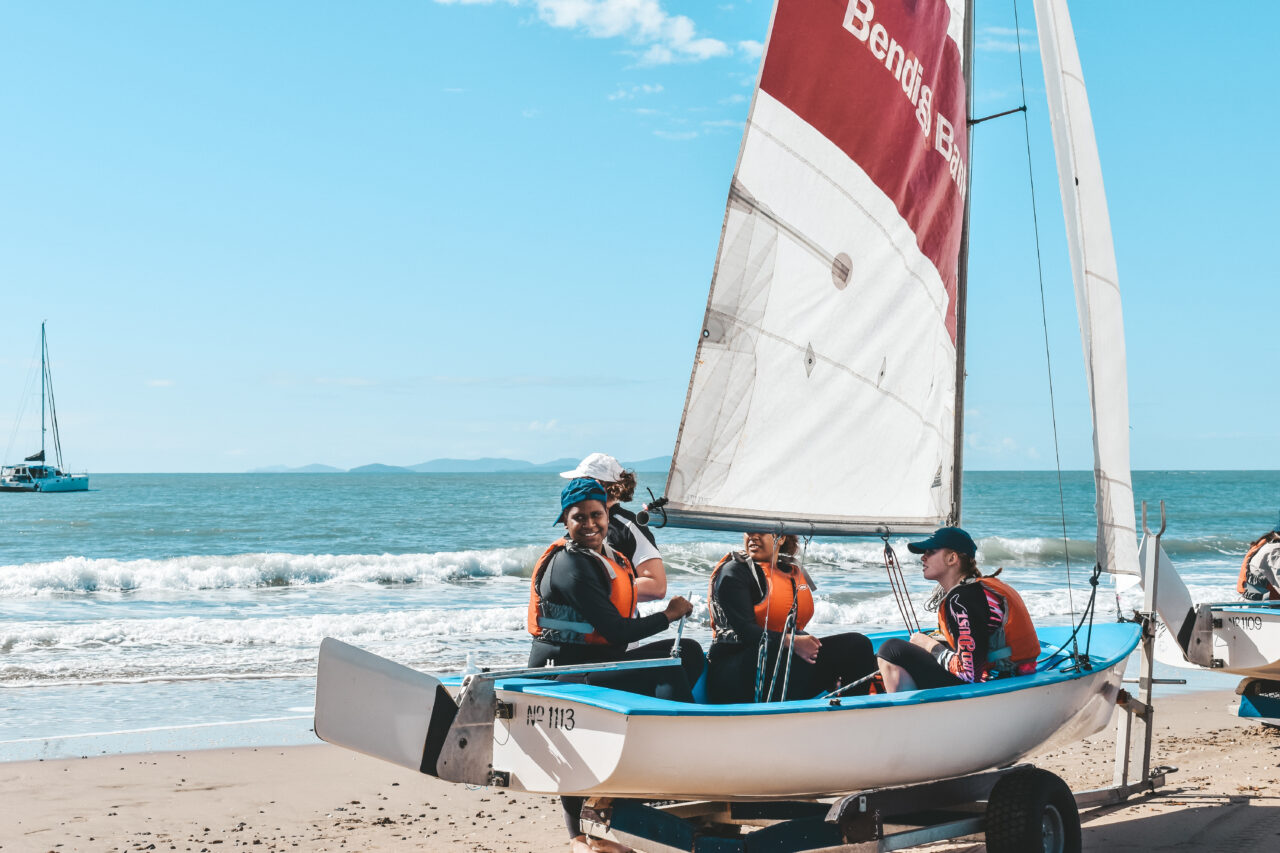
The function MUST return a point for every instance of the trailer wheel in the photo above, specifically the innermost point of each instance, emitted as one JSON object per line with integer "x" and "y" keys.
{"x": 1032, "y": 810}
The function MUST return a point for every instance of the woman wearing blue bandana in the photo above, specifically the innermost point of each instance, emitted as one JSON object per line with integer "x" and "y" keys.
{"x": 581, "y": 598}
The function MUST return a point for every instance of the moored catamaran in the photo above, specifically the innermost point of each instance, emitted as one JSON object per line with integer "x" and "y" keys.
{"x": 34, "y": 473}
{"x": 826, "y": 399}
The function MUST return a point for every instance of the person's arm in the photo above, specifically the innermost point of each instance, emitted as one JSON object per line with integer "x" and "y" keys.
{"x": 733, "y": 595}
{"x": 576, "y": 582}
{"x": 1268, "y": 562}
{"x": 969, "y": 616}
{"x": 637, "y": 542}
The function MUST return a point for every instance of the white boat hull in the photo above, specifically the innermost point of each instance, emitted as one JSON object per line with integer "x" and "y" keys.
{"x": 78, "y": 483}
{"x": 1245, "y": 643}
{"x": 566, "y": 738}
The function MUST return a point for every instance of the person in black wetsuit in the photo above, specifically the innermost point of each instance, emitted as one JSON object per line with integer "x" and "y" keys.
{"x": 984, "y": 630}
{"x": 626, "y": 533}
{"x": 752, "y": 594}
{"x": 582, "y": 596}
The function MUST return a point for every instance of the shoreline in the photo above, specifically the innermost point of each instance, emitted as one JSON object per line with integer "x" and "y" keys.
{"x": 1224, "y": 795}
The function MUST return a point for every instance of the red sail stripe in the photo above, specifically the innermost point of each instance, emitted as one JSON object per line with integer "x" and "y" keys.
{"x": 845, "y": 87}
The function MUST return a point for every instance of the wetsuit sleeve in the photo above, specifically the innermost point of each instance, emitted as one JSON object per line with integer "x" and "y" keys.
{"x": 734, "y": 596}
{"x": 576, "y": 580}
{"x": 968, "y": 615}
{"x": 645, "y": 547}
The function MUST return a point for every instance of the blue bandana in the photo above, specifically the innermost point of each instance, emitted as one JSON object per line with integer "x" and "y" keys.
{"x": 579, "y": 490}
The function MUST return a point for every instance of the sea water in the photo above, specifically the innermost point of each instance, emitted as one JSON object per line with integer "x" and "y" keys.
{"x": 182, "y": 611}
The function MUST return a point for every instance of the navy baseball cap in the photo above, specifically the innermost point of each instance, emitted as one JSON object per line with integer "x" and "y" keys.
{"x": 945, "y": 537}
{"x": 580, "y": 489}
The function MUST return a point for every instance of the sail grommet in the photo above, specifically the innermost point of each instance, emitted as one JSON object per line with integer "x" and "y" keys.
{"x": 841, "y": 270}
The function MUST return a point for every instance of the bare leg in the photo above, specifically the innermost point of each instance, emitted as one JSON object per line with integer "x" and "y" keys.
{"x": 896, "y": 679}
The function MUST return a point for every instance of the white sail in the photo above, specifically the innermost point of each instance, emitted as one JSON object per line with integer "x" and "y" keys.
{"x": 824, "y": 394}
{"x": 1093, "y": 266}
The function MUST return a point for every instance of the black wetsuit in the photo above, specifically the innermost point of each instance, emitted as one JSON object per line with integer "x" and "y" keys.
{"x": 623, "y": 530}
{"x": 972, "y": 620}
{"x": 574, "y": 577}
{"x": 731, "y": 663}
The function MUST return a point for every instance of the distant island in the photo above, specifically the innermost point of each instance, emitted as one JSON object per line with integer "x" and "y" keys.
{"x": 487, "y": 465}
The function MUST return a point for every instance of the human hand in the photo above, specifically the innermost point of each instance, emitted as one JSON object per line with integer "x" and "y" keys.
{"x": 806, "y": 647}
{"x": 677, "y": 607}
{"x": 924, "y": 641}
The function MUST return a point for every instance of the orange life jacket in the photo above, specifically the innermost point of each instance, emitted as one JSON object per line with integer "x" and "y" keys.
{"x": 1016, "y": 641}
{"x": 561, "y": 621}
{"x": 782, "y": 587}
{"x": 1272, "y": 592}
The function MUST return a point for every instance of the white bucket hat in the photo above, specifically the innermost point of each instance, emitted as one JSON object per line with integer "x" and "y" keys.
{"x": 597, "y": 466}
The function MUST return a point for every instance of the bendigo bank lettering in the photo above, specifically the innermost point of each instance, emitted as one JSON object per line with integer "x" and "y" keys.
{"x": 859, "y": 19}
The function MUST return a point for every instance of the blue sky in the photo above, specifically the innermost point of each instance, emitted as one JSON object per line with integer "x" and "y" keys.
{"x": 388, "y": 232}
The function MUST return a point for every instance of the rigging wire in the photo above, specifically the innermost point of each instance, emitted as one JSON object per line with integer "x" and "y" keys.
{"x": 27, "y": 393}
{"x": 1044, "y": 319}
{"x": 898, "y": 583}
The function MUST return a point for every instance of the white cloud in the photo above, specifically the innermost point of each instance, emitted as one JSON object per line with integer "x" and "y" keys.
{"x": 751, "y": 49}
{"x": 543, "y": 426}
{"x": 160, "y": 383}
{"x": 626, "y": 94}
{"x": 530, "y": 113}
{"x": 669, "y": 38}
{"x": 1004, "y": 40}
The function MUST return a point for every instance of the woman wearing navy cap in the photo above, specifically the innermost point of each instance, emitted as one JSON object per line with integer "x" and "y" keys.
{"x": 581, "y": 600}
{"x": 983, "y": 623}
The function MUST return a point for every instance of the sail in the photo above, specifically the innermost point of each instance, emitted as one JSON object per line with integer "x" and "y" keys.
{"x": 1093, "y": 266}
{"x": 825, "y": 391}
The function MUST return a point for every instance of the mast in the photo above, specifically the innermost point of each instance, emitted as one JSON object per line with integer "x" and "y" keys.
{"x": 962, "y": 279}
{"x": 44, "y": 372}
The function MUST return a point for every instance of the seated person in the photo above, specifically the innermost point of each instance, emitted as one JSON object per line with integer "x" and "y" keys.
{"x": 752, "y": 594}
{"x": 581, "y": 600}
{"x": 1260, "y": 569}
{"x": 626, "y": 533}
{"x": 985, "y": 628}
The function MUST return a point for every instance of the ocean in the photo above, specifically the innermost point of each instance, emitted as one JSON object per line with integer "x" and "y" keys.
{"x": 180, "y": 611}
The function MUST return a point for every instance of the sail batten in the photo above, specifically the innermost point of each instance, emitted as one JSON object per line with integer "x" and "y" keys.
{"x": 825, "y": 385}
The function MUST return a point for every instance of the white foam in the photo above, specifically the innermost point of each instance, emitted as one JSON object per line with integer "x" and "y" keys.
{"x": 249, "y": 571}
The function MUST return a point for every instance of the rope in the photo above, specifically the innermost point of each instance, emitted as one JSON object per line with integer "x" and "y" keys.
{"x": 898, "y": 584}
{"x": 1044, "y": 319}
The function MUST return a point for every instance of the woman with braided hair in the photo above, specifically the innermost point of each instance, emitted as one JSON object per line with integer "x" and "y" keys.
{"x": 762, "y": 595}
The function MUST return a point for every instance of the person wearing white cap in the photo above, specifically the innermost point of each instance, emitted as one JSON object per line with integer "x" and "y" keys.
{"x": 626, "y": 534}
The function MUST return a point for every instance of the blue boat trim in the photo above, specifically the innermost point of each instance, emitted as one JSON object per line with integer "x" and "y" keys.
{"x": 1111, "y": 644}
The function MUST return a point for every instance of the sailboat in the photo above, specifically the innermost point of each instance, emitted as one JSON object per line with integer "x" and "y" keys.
{"x": 825, "y": 399}
{"x": 35, "y": 474}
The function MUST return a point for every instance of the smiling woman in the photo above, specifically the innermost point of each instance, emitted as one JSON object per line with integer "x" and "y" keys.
{"x": 582, "y": 605}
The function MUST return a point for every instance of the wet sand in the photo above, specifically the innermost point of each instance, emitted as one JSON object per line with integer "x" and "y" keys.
{"x": 1224, "y": 797}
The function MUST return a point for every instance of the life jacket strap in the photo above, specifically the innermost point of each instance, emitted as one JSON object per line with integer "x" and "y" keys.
{"x": 565, "y": 625}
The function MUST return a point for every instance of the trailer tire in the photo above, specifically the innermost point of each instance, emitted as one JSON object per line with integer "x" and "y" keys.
{"x": 1031, "y": 810}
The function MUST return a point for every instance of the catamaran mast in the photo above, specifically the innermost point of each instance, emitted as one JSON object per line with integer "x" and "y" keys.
{"x": 44, "y": 372}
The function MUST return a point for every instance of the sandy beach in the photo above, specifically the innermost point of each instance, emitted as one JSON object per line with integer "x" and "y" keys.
{"x": 1225, "y": 796}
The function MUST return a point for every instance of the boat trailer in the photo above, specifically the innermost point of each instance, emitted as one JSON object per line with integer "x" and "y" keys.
{"x": 1017, "y": 809}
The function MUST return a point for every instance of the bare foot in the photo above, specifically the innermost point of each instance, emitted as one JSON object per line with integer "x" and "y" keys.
{"x": 579, "y": 844}
{"x": 602, "y": 845}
